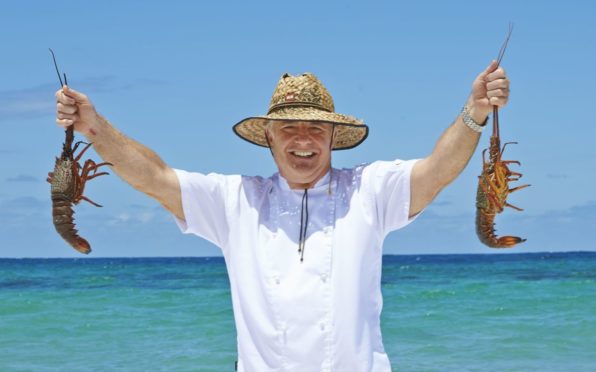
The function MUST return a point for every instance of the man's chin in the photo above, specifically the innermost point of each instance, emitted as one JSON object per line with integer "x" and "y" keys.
{"x": 308, "y": 178}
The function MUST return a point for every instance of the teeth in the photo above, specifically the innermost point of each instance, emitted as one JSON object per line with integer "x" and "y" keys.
{"x": 303, "y": 153}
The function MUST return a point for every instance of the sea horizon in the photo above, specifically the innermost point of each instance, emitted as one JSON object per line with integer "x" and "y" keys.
{"x": 500, "y": 252}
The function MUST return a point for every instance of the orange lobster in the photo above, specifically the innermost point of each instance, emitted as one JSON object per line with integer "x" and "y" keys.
{"x": 493, "y": 185}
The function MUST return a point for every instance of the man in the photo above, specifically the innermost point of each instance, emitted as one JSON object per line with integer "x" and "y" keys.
{"x": 303, "y": 248}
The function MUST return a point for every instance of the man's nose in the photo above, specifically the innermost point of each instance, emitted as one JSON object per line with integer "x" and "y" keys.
{"x": 302, "y": 136}
{"x": 302, "y": 139}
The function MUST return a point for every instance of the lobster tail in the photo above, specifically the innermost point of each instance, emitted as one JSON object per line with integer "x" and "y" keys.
{"x": 486, "y": 232}
{"x": 62, "y": 214}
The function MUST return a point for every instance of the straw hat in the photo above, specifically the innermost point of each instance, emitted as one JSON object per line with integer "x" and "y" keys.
{"x": 303, "y": 98}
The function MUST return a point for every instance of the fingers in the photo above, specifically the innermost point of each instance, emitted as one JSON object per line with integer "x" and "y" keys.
{"x": 61, "y": 97}
{"x": 66, "y": 109}
{"x": 491, "y": 87}
{"x": 73, "y": 94}
{"x": 497, "y": 87}
{"x": 498, "y": 84}
{"x": 499, "y": 94}
{"x": 65, "y": 122}
{"x": 63, "y": 116}
{"x": 491, "y": 67}
{"x": 498, "y": 73}
{"x": 68, "y": 96}
{"x": 67, "y": 106}
{"x": 498, "y": 101}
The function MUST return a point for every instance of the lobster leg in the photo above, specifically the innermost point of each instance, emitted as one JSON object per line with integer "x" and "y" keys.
{"x": 96, "y": 166}
{"x": 76, "y": 146}
{"x": 505, "y": 144}
{"x": 91, "y": 166}
{"x": 84, "y": 177}
{"x": 88, "y": 177}
{"x": 513, "y": 206}
{"x": 96, "y": 175}
{"x": 76, "y": 160}
{"x": 517, "y": 188}
{"x": 484, "y": 156}
{"x": 494, "y": 186}
{"x": 82, "y": 197}
{"x": 488, "y": 194}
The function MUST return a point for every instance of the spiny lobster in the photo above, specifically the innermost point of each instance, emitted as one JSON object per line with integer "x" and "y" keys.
{"x": 493, "y": 184}
{"x": 68, "y": 182}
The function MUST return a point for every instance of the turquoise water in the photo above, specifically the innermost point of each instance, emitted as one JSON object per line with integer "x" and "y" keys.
{"x": 514, "y": 312}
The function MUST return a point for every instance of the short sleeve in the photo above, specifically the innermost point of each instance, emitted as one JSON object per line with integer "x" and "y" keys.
{"x": 389, "y": 184}
{"x": 204, "y": 205}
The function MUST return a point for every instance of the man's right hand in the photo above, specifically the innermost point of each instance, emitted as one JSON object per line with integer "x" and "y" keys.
{"x": 74, "y": 108}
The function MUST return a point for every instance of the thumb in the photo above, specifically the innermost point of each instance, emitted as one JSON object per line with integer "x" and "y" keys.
{"x": 494, "y": 64}
{"x": 77, "y": 96}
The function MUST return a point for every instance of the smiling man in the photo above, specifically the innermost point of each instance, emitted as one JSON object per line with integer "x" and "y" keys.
{"x": 303, "y": 151}
{"x": 303, "y": 248}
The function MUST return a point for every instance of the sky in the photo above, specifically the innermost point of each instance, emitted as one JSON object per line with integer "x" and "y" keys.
{"x": 177, "y": 75}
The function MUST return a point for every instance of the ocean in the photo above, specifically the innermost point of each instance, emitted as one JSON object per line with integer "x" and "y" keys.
{"x": 494, "y": 312}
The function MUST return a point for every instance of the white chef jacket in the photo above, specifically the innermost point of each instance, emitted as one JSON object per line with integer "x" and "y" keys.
{"x": 322, "y": 314}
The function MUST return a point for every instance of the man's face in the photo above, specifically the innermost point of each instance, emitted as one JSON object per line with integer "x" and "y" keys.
{"x": 301, "y": 151}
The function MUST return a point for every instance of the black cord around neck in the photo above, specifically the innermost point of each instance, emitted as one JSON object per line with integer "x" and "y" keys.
{"x": 303, "y": 224}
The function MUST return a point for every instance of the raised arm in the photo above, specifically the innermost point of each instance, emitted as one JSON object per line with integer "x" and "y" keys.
{"x": 457, "y": 144}
{"x": 136, "y": 164}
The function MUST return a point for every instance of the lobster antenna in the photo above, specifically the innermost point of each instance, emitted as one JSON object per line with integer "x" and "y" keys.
{"x": 504, "y": 46}
{"x": 57, "y": 71}
{"x": 499, "y": 58}
{"x": 69, "y": 131}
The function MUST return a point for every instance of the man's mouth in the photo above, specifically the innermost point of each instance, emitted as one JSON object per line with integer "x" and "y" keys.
{"x": 303, "y": 154}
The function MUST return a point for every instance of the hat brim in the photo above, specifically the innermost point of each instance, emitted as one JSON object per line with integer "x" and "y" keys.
{"x": 349, "y": 132}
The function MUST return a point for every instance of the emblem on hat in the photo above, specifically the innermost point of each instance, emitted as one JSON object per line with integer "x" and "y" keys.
{"x": 290, "y": 97}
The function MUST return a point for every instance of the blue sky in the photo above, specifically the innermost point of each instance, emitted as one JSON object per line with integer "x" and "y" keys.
{"x": 176, "y": 76}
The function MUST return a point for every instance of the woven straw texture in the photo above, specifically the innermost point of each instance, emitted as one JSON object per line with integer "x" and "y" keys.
{"x": 303, "y": 98}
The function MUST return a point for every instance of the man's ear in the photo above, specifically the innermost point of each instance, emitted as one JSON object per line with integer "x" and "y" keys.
{"x": 333, "y": 136}
{"x": 269, "y": 138}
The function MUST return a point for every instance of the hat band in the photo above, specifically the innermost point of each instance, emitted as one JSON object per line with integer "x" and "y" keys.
{"x": 297, "y": 104}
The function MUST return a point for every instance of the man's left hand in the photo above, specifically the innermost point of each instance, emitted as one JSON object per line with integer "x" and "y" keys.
{"x": 490, "y": 88}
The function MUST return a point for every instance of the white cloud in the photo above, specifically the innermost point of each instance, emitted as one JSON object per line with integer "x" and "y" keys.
{"x": 22, "y": 178}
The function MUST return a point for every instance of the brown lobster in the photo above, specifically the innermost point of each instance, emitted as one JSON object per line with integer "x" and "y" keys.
{"x": 68, "y": 182}
{"x": 493, "y": 184}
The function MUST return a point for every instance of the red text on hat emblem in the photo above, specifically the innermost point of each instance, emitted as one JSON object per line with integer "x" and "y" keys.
{"x": 290, "y": 96}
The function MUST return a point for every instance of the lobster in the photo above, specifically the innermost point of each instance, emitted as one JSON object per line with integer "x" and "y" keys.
{"x": 493, "y": 184}
{"x": 67, "y": 184}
